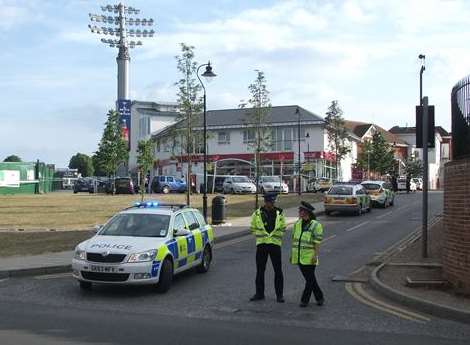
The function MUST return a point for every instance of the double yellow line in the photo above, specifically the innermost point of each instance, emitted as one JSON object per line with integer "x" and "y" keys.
{"x": 357, "y": 291}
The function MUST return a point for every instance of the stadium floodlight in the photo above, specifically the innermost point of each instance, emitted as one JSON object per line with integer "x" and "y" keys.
{"x": 114, "y": 22}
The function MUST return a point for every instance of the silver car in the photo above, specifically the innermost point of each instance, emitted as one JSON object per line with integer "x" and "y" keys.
{"x": 238, "y": 185}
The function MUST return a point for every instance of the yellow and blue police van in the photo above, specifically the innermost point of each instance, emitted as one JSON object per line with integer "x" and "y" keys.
{"x": 147, "y": 243}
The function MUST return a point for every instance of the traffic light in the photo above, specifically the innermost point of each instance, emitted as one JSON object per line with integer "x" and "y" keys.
{"x": 419, "y": 126}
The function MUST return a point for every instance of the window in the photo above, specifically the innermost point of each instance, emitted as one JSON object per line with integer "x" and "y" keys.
{"x": 224, "y": 137}
{"x": 192, "y": 221}
{"x": 200, "y": 219}
{"x": 137, "y": 225}
{"x": 169, "y": 179}
{"x": 340, "y": 190}
{"x": 249, "y": 136}
{"x": 179, "y": 222}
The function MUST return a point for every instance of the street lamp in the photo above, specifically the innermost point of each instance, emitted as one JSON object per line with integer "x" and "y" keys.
{"x": 208, "y": 74}
{"x": 422, "y": 57}
{"x": 307, "y": 136}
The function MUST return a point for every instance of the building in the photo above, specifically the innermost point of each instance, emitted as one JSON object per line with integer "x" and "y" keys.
{"x": 437, "y": 156}
{"x": 365, "y": 131}
{"x": 231, "y": 141}
{"x": 148, "y": 118}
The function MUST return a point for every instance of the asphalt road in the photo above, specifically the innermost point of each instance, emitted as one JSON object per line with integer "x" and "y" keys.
{"x": 213, "y": 308}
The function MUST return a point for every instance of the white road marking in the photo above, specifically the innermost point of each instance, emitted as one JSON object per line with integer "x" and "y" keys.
{"x": 357, "y": 226}
{"x": 53, "y": 276}
{"x": 384, "y": 215}
{"x": 328, "y": 238}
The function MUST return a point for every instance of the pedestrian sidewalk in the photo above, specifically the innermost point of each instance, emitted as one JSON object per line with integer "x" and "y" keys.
{"x": 61, "y": 261}
{"x": 406, "y": 278}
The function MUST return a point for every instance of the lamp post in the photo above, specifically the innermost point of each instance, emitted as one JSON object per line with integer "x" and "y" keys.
{"x": 423, "y": 68}
{"x": 307, "y": 136}
{"x": 208, "y": 74}
{"x": 299, "y": 164}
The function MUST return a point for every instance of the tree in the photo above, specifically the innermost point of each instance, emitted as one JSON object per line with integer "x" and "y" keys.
{"x": 97, "y": 164}
{"x": 190, "y": 105}
{"x": 12, "y": 158}
{"x": 382, "y": 158}
{"x": 413, "y": 167}
{"x": 337, "y": 133}
{"x": 144, "y": 161}
{"x": 256, "y": 118}
{"x": 83, "y": 163}
{"x": 376, "y": 156}
{"x": 112, "y": 149}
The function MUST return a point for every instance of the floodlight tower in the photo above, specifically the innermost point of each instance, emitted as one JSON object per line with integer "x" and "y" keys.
{"x": 118, "y": 26}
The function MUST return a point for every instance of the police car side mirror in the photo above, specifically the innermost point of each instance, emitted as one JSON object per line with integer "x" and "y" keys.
{"x": 181, "y": 232}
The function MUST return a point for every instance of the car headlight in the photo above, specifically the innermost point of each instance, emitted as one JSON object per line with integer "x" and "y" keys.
{"x": 143, "y": 257}
{"x": 80, "y": 254}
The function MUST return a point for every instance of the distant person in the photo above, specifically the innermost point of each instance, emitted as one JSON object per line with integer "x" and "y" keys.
{"x": 408, "y": 183}
{"x": 394, "y": 183}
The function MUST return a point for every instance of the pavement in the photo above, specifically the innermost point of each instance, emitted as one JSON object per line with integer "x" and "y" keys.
{"x": 213, "y": 308}
{"x": 407, "y": 278}
{"x": 50, "y": 263}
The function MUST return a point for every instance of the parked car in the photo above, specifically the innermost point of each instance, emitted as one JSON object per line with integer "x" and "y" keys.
{"x": 347, "y": 198}
{"x": 401, "y": 184}
{"x": 419, "y": 182}
{"x": 167, "y": 184}
{"x": 381, "y": 193}
{"x": 124, "y": 185}
{"x": 238, "y": 185}
{"x": 313, "y": 185}
{"x": 81, "y": 185}
{"x": 324, "y": 184}
{"x": 272, "y": 184}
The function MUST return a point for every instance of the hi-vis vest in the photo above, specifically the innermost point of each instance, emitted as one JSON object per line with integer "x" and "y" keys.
{"x": 303, "y": 242}
{"x": 259, "y": 230}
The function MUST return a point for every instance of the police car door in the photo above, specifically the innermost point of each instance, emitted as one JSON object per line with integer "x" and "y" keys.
{"x": 194, "y": 239}
{"x": 180, "y": 244}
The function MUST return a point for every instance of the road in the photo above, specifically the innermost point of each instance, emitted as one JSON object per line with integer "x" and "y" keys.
{"x": 213, "y": 308}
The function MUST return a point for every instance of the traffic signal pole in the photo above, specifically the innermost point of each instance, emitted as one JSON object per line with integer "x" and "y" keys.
{"x": 424, "y": 234}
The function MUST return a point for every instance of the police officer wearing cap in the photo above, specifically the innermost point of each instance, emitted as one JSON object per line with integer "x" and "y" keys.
{"x": 306, "y": 238}
{"x": 268, "y": 225}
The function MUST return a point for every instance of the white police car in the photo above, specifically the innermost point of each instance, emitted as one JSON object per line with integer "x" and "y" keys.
{"x": 145, "y": 244}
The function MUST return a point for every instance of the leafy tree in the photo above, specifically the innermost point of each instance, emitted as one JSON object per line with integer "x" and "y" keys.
{"x": 413, "y": 167}
{"x": 112, "y": 149}
{"x": 337, "y": 133}
{"x": 190, "y": 105}
{"x": 12, "y": 158}
{"x": 256, "y": 118}
{"x": 144, "y": 161}
{"x": 83, "y": 163}
{"x": 377, "y": 156}
{"x": 97, "y": 167}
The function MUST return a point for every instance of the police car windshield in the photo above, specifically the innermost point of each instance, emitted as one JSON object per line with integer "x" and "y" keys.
{"x": 341, "y": 190}
{"x": 137, "y": 225}
{"x": 272, "y": 179}
{"x": 240, "y": 179}
{"x": 371, "y": 186}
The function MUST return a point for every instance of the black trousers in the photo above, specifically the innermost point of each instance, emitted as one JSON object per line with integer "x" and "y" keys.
{"x": 262, "y": 253}
{"x": 311, "y": 285}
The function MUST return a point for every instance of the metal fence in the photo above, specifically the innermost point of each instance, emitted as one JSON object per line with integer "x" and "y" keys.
{"x": 460, "y": 99}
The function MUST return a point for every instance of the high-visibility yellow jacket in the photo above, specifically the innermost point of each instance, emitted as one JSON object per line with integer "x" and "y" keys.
{"x": 303, "y": 243}
{"x": 258, "y": 228}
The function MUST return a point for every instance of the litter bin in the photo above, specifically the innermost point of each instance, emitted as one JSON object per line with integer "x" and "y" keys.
{"x": 218, "y": 209}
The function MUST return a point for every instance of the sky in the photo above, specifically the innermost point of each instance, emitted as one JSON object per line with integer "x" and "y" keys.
{"x": 57, "y": 80}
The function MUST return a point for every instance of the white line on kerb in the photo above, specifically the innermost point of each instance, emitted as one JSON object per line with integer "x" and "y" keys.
{"x": 357, "y": 226}
{"x": 384, "y": 215}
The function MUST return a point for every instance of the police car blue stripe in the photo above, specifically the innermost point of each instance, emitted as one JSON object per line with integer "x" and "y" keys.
{"x": 155, "y": 267}
{"x": 205, "y": 237}
{"x": 182, "y": 262}
{"x": 198, "y": 255}
{"x": 173, "y": 248}
{"x": 191, "y": 244}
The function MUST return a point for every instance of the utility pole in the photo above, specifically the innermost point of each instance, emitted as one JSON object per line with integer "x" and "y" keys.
{"x": 425, "y": 178}
{"x": 299, "y": 191}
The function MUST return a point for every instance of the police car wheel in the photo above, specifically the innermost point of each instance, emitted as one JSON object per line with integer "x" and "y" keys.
{"x": 166, "y": 276}
{"x": 206, "y": 261}
{"x": 166, "y": 190}
{"x": 85, "y": 285}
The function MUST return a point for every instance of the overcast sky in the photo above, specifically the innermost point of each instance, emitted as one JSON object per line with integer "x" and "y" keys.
{"x": 58, "y": 80}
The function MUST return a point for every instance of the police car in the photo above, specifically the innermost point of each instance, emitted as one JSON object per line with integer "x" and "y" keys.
{"x": 381, "y": 192}
{"x": 145, "y": 244}
{"x": 347, "y": 197}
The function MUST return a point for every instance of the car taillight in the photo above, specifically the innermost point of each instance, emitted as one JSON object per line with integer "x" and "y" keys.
{"x": 351, "y": 200}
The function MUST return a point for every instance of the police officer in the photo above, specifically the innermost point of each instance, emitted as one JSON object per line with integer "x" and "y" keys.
{"x": 268, "y": 225}
{"x": 306, "y": 237}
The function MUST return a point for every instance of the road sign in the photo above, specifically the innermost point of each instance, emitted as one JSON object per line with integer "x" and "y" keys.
{"x": 419, "y": 126}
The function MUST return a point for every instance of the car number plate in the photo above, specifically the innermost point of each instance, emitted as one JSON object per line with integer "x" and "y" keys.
{"x": 105, "y": 269}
